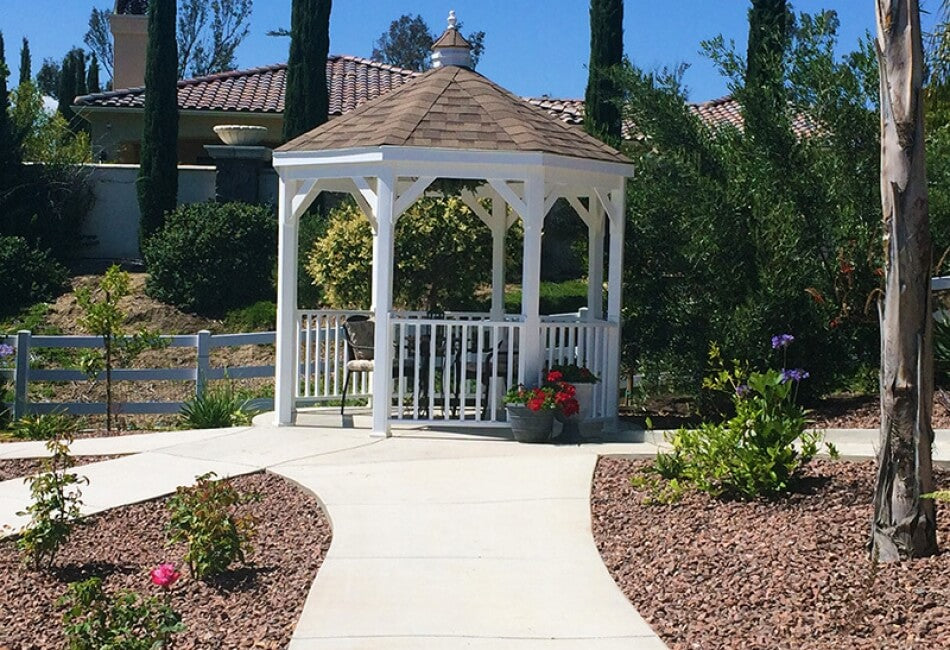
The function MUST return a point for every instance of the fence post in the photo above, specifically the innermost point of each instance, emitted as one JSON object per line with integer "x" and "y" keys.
{"x": 204, "y": 362}
{"x": 21, "y": 374}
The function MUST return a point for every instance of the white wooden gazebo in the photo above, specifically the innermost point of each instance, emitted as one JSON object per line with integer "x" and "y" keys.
{"x": 451, "y": 123}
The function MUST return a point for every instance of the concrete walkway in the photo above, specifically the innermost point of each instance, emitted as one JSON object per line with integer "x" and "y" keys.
{"x": 440, "y": 540}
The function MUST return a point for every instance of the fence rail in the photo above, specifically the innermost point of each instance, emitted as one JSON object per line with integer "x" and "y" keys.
{"x": 22, "y": 372}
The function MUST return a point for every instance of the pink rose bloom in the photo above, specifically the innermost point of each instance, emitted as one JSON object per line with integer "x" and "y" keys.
{"x": 164, "y": 575}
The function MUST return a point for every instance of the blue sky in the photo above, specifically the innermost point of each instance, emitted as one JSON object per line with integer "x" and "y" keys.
{"x": 533, "y": 47}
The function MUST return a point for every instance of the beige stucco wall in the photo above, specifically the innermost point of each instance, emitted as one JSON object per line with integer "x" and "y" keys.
{"x": 111, "y": 230}
{"x": 117, "y": 133}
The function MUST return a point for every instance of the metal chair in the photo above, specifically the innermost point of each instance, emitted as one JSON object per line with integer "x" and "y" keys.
{"x": 360, "y": 333}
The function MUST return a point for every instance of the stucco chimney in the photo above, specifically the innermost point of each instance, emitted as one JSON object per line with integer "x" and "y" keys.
{"x": 452, "y": 48}
{"x": 129, "y": 25}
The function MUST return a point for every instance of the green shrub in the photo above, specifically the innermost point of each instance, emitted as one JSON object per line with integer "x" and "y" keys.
{"x": 56, "y": 506}
{"x": 259, "y": 317}
{"x": 29, "y": 275}
{"x": 217, "y": 408}
{"x": 556, "y": 297}
{"x": 442, "y": 255}
{"x": 754, "y": 452}
{"x": 45, "y": 426}
{"x": 209, "y": 258}
{"x": 204, "y": 517}
{"x": 94, "y": 619}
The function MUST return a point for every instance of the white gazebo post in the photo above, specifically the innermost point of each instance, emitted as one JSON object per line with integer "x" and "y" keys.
{"x": 614, "y": 204}
{"x": 499, "y": 233}
{"x": 595, "y": 259}
{"x": 285, "y": 390}
{"x": 383, "y": 302}
{"x": 531, "y": 345}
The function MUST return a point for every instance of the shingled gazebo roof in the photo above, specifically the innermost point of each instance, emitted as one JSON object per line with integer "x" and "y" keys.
{"x": 454, "y": 108}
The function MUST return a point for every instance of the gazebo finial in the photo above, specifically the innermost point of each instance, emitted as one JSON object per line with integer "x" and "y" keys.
{"x": 452, "y": 49}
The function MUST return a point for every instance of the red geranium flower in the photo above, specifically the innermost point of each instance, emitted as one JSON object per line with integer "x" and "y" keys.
{"x": 555, "y": 375}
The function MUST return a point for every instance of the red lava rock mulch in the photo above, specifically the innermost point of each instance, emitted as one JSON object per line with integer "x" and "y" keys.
{"x": 11, "y": 468}
{"x": 785, "y": 574}
{"x": 251, "y": 607}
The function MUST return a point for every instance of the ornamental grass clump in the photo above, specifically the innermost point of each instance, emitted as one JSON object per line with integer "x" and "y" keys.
{"x": 205, "y": 517}
{"x": 758, "y": 451}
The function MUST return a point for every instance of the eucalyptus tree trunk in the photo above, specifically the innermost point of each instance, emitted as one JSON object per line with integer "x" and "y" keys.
{"x": 904, "y": 525}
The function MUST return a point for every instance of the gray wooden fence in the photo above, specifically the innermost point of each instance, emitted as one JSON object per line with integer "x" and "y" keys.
{"x": 21, "y": 373}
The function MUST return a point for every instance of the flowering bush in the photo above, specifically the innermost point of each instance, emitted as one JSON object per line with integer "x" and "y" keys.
{"x": 576, "y": 374}
{"x": 205, "y": 517}
{"x": 753, "y": 453}
{"x": 95, "y": 619}
{"x": 555, "y": 393}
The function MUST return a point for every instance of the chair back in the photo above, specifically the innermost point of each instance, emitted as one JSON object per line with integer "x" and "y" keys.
{"x": 360, "y": 334}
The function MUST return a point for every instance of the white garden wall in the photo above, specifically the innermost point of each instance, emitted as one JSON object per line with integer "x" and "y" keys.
{"x": 111, "y": 230}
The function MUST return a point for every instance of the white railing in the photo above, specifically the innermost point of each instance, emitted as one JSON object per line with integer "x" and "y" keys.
{"x": 454, "y": 371}
{"x": 22, "y": 372}
{"x": 322, "y": 352}
{"x": 586, "y": 344}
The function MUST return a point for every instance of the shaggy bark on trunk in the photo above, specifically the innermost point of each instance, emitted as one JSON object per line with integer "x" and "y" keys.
{"x": 904, "y": 525}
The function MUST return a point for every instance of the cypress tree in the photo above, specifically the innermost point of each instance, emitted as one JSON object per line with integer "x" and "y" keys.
{"x": 72, "y": 84}
{"x": 306, "y": 100}
{"x": 26, "y": 62}
{"x": 158, "y": 172}
{"x": 92, "y": 77}
{"x": 602, "y": 101}
{"x": 66, "y": 89}
{"x": 9, "y": 149}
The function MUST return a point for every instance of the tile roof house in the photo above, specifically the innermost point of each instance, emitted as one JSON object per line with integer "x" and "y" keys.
{"x": 255, "y": 97}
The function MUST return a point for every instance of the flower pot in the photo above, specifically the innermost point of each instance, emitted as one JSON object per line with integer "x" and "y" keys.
{"x": 528, "y": 425}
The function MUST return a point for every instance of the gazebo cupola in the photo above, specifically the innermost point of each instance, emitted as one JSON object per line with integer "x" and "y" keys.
{"x": 516, "y": 161}
{"x": 451, "y": 48}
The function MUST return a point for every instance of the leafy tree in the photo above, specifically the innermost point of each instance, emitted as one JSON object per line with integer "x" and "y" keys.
{"x": 602, "y": 108}
{"x": 98, "y": 38}
{"x": 726, "y": 246}
{"x": 208, "y": 35}
{"x": 904, "y": 524}
{"x": 208, "y": 42}
{"x": 26, "y": 62}
{"x": 435, "y": 239}
{"x": 103, "y": 317}
{"x": 408, "y": 44}
{"x": 307, "y": 102}
{"x": 45, "y": 137}
{"x": 158, "y": 171}
{"x": 92, "y": 76}
{"x": 47, "y": 79}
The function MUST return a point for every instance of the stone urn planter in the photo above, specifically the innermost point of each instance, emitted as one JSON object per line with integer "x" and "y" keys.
{"x": 530, "y": 426}
{"x": 241, "y": 135}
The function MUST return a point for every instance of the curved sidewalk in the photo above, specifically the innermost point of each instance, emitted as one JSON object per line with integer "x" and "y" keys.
{"x": 445, "y": 542}
{"x": 439, "y": 540}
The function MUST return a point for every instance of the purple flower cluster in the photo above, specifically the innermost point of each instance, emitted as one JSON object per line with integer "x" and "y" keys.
{"x": 795, "y": 374}
{"x": 782, "y": 341}
{"x": 5, "y": 350}
{"x": 742, "y": 390}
